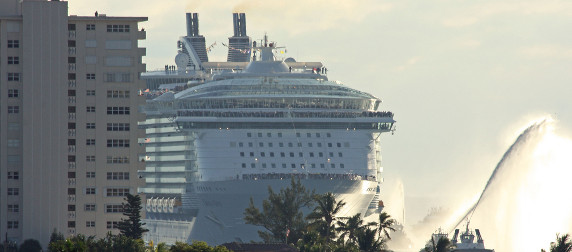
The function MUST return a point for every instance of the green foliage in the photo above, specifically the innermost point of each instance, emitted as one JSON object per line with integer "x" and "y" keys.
{"x": 368, "y": 241}
{"x": 281, "y": 212}
{"x": 111, "y": 243}
{"x": 441, "y": 245}
{"x": 197, "y": 246}
{"x": 385, "y": 224}
{"x": 563, "y": 244}
{"x": 349, "y": 226}
{"x": 132, "y": 226}
{"x": 324, "y": 214}
{"x": 162, "y": 247}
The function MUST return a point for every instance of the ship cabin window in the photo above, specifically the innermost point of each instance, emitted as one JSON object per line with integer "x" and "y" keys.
{"x": 319, "y": 144}
{"x": 282, "y": 154}
{"x": 322, "y": 166}
{"x": 263, "y": 165}
{"x": 243, "y": 165}
{"x": 250, "y": 145}
{"x": 342, "y": 166}
{"x": 320, "y": 154}
{"x": 339, "y": 145}
{"x": 313, "y": 165}
{"x": 309, "y": 144}
{"x": 252, "y": 154}
{"x": 311, "y": 154}
{"x": 249, "y": 134}
{"x": 252, "y": 165}
{"x": 297, "y": 134}
{"x": 242, "y": 154}
{"x": 329, "y": 145}
{"x": 302, "y": 166}
{"x": 270, "y": 145}
{"x": 283, "y": 165}
{"x": 290, "y": 145}
{"x": 328, "y": 135}
{"x": 240, "y": 144}
{"x": 281, "y": 144}
{"x": 273, "y": 165}
{"x": 333, "y": 165}
{"x": 259, "y": 134}
{"x": 269, "y": 134}
{"x": 299, "y": 144}
{"x": 291, "y": 154}
{"x": 262, "y": 154}
{"x": 340, "y": 154}
{"x": 280, "y": 134}
{"x": 271, "y": 154}
{"x": 308, "y": 134}
{"x": 300, "y": 154}
{"x": 293, "y": 166}
{"x": 331, "y": 154}
{"x": 317, "y": 134}
{"x": 260, "y": 144}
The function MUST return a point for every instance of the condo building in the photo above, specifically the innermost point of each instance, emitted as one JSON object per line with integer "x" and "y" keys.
{"x": 69, "y": 97}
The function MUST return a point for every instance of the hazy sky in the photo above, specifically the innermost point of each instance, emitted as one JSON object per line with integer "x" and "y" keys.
{"x": 463, "y": 77}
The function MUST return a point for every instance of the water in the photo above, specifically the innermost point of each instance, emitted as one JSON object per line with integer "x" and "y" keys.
{"x": 528, "y": 198}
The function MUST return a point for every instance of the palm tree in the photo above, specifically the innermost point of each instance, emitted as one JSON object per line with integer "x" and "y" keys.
{"x": 563, "y": 244}
{"x": 385, "y": 224}
{"x": 442, "y": 245}
{"x": 351, "y": 225}
{"x": 324, "y": 214}
{"x": 368, "y": 241}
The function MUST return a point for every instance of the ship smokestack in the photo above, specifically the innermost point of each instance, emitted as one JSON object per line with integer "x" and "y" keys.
{"x": 192, "y": 24}
{"x": 242, "y": 25}
{"x": 239, "y": 45}
{"x": 235, "y": 23}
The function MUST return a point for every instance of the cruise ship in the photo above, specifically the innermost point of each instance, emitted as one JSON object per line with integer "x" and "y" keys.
{"x": 223, "y": 132}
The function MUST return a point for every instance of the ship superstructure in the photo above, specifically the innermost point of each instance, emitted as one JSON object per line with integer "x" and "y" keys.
{"x": 221, "y": 141}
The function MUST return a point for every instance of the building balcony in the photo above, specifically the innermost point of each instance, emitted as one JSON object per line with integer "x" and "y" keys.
{"x": 71, "y": 34}
{"x": 71, "y": 198}
{"x": 71, "y": 132}
{"x": 71, "y": 181}
{"x": 141, "y": 35}
{"x": 71, "y": 99}
{"x": 71, "y": 83}
{"x": 71, "y": 116}
{"x": 71, "y": 165}
{"x": 71, "y": 214}
{"x": 71, "y": 148}
{"x": 71, "y": 66}
{"x": 71, "y": 50}
{"x": 71, "y": 231}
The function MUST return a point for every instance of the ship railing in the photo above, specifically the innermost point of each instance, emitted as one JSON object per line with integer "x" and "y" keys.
{"x": 325, "y": 176}
{"x": 282, "y": 114}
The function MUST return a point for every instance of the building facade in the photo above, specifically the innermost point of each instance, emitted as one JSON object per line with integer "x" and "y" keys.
{"x": 69, "y": 100}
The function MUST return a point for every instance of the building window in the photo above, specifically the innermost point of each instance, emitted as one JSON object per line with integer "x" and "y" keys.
{"x": 280, "y": 144}
{"x": 13, "y": 93}
{"x": 252, "y": 154}
{"x": 118, "y": 28}
{"x": 260, "y": 144}
{"x": 271, "y": 154}
{"x": 90, "y": 92}
{"x": 333, "y": 165}
{"x": 282, "y": 154}
{"x": 14, "y": 175}
{"x": 13, "y": 191}
{"x": 13, "y": 109}
{"x": 250, "y": 144}
{"x": 90, "y": 27}
{"x": 339, "y": 145}
{"x": 243, "y": 165}
{"x": 71, "y": 27}
{"x": 13, "y": 142}
{"x": 14, "y": 76}
{"x": 283, "y": 165}
{"x": 118, "y": 176}
{"x": 311, "y": 154}
{"x": 259, "y": 134}
{"x": 90, "y": 76}
{"x": 71, "y": 174}
{"x": 319, "y": 144}
{"x": 118, "y": 110}
{"x": 117, "y": 142}
{"x": 117, "y": 94}
{"x": 90, "y": 158}
{"x": 114, "y": 208}
{"x": 89, "y": 207}
{"x": 252, "y": 165}
{"x": 342, "y": 166}
{"x": 90, "y": 125}
{"x": 13, "y": 224}
{"x": 90, "y": 174}
{"x": 71, "y": 76}
{"x": 90, "y": 190}
{"x": 249, "y": 134}
{"x": 13, "y": 43}
{"x": 340, "y": 154}
{"x": 242, "y": 154}
{"x": 117, "y": 160}
{"x": 117, "y": 192}
{"x": 118, "y": 127}
{"x": 293, "y": 166}
{"x": 329, "y": 145}
{"x": 89, "y": 141}
{"x": 90, "y": 109}
{"x": 71, "y": 191}
{"x": 15, "y": 208}
{"x": 291, "y": 154}
{"x": 112, "y": 224}
{"x": 13, "y": 60}
{"x": 90, "y": 224}
{"x": 262, "y": 154}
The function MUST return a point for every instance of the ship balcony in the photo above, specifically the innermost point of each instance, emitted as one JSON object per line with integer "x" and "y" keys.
{"x": 141, "y": 35}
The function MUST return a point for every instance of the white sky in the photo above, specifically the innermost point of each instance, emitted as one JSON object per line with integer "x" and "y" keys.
{"x": 461, "y": 76}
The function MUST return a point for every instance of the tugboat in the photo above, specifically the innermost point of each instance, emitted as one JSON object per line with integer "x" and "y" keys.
{"x": 467, "y": 241}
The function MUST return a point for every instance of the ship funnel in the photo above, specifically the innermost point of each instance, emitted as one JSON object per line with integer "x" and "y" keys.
{"x": 192, "y": 24}
{"x": 239, "y": 21}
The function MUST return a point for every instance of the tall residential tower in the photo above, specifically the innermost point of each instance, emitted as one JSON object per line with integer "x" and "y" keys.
{"x": 68, "y": 114}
